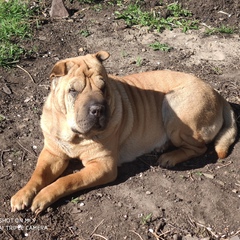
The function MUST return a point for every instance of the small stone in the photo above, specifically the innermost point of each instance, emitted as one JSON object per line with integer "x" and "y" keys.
{"x": 81, "y": 198}
{"x": 99, "y": 195}
{"x": 148, "y": 193}
{"x": 58, "y": 9}
{"x": 81, "y": 204}
{"x": 49, "y": 209}
{"x": 207, "y": 175}
{"x": 27, "y": 99}
{"x": 220, "y": 182}
{"x": 235, "y": 191}
{"x": 42, "y": 38}
{"x": 119, "y": 204}
{"x": 6, "y": 89}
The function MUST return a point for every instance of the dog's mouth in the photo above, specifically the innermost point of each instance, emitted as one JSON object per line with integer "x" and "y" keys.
{"x": 90, "y": 125}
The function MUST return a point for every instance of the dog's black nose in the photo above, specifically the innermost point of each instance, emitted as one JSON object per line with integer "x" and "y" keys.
{"x": 97, "y": 110}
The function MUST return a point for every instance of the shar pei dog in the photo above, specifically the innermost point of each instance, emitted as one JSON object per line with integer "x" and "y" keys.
{"x": 105, "y": 120}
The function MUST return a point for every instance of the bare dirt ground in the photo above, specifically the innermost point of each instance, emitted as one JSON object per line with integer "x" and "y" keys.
{"x": 199, "y": 199}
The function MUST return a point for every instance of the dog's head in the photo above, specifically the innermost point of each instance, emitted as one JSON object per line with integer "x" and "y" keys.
{"x": 79, "y": 88}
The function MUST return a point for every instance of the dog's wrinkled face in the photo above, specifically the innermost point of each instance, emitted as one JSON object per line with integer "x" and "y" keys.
{"x": 80, "y": 89}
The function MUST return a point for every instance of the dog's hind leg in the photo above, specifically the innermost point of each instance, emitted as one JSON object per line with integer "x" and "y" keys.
{"x": 187, "y": 147}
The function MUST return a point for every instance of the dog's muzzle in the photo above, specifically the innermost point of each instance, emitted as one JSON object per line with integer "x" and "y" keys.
{"x": 95, "y": 119}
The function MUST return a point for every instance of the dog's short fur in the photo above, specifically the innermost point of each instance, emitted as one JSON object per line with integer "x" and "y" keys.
{"x": 107, "y": 120}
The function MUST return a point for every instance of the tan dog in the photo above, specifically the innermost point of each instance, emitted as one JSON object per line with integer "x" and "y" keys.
{"x": 107, "y": 120}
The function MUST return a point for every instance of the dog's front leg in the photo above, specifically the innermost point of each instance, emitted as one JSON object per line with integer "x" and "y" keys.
{"x": 94, "y": 173}
{"x": 49, "y": 167}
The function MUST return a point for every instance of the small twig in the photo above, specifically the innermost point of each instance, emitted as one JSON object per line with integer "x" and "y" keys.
{"x": 6, "y": 175}
{"x": 160, "y": 225}
{"x": 191, "y": 176}
{"x": 159, "y": 236}
{"x": 95, "y": 229}
{"x": 70, "y": 228}
{"x": 208, "y": 229}
{"x": 191, "y": 222}
{"x": 205, "y": 25}
{"x": 162, "y": 234}
{"x": 26, "y": 72}
{"x": 9, "y": 235}
{"x": 236, "y": 233}
{"x": 136, "y": 234}
{"x": 154, "y": 234}
{"x": 98, "y": 235}
{"x": 23, "y": 156}
{"x": 26, "y": 149}
{"x": 2, "y": 152}
{"x": 228, "y": 14}
{"x": 224, "y": 165}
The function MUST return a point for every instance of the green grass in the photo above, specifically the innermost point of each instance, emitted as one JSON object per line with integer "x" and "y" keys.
{"x": 15, "y": 26}
{"x": 139, "y": 61}
{"x": 146, "y": 219}
{"x": 2, "y": 117}
{"x": 85, "y": 33}
{"x": 176, "y": 10}
{"x": 157, "y": 46}
{"x": 178, "y": 18}
{"x": 75, "y": 200}
{"x": 223, "y": 29}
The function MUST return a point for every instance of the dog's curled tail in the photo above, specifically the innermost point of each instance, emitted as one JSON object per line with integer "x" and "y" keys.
{"x": 227, "y": 135}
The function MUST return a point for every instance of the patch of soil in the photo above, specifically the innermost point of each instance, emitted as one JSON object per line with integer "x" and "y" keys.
{"x": 215, "y": 13}
{"x": 198, "y": 199}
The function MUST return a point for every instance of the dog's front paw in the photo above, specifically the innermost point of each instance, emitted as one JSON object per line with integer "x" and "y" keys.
{"x": 166, "y": 161}
{"x": 41, "y": 202}
{"x": 22, "y": 199}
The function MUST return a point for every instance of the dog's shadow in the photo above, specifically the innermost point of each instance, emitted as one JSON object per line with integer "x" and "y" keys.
{"x": 145, "y": 162}
{"x": 140, "y": 165}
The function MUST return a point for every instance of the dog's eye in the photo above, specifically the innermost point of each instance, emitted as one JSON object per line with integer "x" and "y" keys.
{"x": 73, "y": 91}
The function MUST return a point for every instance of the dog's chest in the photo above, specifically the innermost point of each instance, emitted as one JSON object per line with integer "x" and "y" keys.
{"x": 74, "y": 150}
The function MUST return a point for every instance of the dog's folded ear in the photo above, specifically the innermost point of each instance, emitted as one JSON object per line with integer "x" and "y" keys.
{"x": 61, "y": 69}
{"x": 102, "y": 55}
